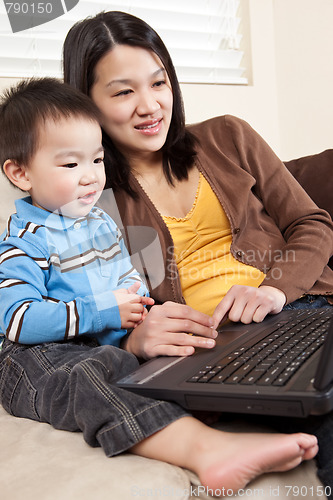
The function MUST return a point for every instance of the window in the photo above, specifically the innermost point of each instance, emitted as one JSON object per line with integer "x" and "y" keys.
{"x": 203, "y": 37}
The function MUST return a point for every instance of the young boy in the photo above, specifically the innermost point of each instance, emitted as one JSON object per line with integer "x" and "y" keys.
{"x": 65, "y": 271}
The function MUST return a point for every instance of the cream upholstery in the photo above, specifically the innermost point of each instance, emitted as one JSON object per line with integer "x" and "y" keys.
{"x": 39, "y": 462}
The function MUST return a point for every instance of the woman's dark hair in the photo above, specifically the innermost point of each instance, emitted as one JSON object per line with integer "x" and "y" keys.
{"x": 86, "y": 43}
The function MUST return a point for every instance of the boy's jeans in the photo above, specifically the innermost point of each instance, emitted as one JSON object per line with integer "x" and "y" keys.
{"x": 71, "y": 386}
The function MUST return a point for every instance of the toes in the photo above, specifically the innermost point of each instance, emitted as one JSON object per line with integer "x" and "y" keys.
{"x": 309, "y": 444}
{"x": 310, "y": 452}
{"x": 306, "y": 440}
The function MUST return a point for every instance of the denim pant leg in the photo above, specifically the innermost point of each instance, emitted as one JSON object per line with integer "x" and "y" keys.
{"x": 308, "y": 302}
{"x": 71, "y": 386}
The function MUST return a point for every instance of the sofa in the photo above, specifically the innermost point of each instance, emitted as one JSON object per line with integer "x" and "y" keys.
{"x": 39, "y": 462}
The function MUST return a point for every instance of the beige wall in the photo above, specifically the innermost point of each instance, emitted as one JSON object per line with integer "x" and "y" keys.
{"x": 304, "y": 66}
{"x": 257, "y": 102}
{"x": 290, "y": 99}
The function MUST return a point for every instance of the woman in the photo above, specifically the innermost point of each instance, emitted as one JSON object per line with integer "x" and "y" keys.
{"x": 158, "y": 168}
{"x": 168, "y": 177}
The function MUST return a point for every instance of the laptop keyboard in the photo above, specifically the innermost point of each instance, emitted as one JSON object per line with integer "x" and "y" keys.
{"x": 273, "y": 359}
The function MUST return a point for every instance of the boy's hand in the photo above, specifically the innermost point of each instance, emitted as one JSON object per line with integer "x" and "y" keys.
{"x": 133, "y": 288}
{"x": 131, "y": 305}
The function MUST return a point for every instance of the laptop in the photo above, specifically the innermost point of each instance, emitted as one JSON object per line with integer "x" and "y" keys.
{"x": 282, "y": 367}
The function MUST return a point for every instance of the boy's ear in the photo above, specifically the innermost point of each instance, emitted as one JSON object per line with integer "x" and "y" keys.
{"x": 17, "y": 174}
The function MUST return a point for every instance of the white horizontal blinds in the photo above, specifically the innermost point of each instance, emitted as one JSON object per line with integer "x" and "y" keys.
{"x": 203, "y": 37}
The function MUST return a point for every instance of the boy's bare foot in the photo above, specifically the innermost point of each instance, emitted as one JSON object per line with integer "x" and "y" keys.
{"x": 245, "y": 456}
{"x": 223, "y": 459}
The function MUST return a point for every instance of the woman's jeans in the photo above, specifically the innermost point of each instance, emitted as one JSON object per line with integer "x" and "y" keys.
{"x": 308, "y": 301}
{"x": 71, "y": 386}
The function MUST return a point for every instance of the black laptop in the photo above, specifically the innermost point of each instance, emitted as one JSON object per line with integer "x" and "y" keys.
{"x": 282, "y": 366}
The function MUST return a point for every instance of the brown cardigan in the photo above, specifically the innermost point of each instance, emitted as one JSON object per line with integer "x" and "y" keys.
{"x": 315, "y": 174}
{"x": 275, "y": 225}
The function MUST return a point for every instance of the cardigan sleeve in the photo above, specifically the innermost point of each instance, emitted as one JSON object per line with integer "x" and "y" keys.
{"x": 307, "y": 230}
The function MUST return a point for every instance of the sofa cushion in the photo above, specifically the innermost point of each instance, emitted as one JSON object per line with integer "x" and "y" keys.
{"x": 315, "y": 174}
{"x": 40, "y": 462}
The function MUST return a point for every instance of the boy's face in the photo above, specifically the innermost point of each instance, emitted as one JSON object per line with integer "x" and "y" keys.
{"x": 67, "y": 171}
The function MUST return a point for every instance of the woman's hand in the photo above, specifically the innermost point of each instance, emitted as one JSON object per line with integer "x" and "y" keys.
{"x": 165, "y": 331}
{"x": 247, "y": 304}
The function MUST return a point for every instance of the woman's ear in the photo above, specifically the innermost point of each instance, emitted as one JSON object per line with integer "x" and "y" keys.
{"x": 17, "y": 174}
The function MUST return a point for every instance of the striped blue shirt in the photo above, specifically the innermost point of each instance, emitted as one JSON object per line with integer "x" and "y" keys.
{"x": 57, "y": 276}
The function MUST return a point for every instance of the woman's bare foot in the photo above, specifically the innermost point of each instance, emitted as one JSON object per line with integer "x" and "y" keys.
{"x": 223, "y": 459}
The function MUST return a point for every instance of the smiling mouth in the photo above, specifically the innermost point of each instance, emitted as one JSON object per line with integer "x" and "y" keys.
{"x": 149, "y": 128}
{"x": 148, "y": 125}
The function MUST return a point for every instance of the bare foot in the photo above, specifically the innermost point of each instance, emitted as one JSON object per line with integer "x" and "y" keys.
{"x": 225, "y": 460}
{"x": 243, "y": 457}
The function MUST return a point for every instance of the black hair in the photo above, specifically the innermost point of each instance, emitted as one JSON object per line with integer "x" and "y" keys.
{"x": 26, "y": 106}
{"x": 86, "y": 43}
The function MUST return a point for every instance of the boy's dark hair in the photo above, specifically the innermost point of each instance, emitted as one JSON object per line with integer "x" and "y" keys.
{"x": 85, "y": 44}
{"x": 26, "y": 106}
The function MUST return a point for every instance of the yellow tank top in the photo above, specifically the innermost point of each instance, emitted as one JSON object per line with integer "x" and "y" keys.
{"x": 202, "y": 240}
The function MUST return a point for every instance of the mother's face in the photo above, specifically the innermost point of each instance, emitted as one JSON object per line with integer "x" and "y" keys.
{"x": 134, "y": 94}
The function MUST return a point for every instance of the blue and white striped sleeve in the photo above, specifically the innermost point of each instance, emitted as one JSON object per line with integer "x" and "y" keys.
{"x": 29, "y": 315}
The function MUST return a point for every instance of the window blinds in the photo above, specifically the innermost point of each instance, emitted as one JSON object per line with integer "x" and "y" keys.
{"x": 203, "y": 37}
